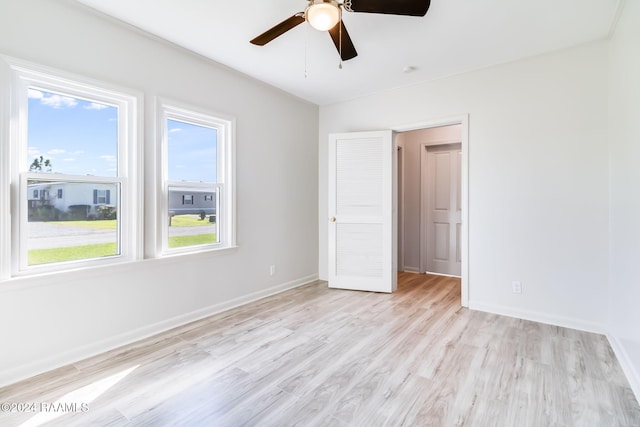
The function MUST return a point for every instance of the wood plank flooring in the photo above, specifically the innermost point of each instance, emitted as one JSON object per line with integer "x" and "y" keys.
{"x": 314, "y": 356}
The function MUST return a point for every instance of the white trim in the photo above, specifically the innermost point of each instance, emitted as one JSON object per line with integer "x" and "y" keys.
{"x": 225, "y": 125}
{"x": 31, "y": 369}
{"x": 23, "y": 75}
{"x": 5, "y": 172}
{"x": 629, "y": 369}
{"x": 400, "y": 150}
{"x": 538, "y": 316}
{"x": 408, "y": 269}
{"x": 462, "y": 120}
{"x": 441, "y": 274}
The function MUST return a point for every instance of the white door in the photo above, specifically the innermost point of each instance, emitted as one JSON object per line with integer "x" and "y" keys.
{"x": 444, "y": 208}
{"x": 362, "y": 202}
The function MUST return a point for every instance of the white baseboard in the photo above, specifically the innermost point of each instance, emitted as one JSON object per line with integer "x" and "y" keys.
{"x": 631, "y": 371}
{"x": 408, "y": 269}
{"x": 37, "y": 367}
{"x": 537, "y": 316}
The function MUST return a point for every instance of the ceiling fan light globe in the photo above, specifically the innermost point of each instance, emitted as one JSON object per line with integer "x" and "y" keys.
{"x": 323, "y": 16}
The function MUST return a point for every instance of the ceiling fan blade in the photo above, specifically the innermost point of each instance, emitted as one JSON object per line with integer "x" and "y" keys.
{"x": 279, "y": 29}
{"x": 348, "y": 49}
{"x": 392, "y": 7}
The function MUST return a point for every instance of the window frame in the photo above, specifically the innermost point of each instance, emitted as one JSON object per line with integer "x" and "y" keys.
{"x": 224, "y": 187}
{"x": 22, "y": 76}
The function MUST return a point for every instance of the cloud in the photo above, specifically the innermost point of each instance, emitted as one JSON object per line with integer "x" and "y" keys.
{"x": 111, "y": 160}
{"x": 174, "y": 130}
{"x": 69, "y": 159}
{"x": 77, "y": 152}
{"x": 57, "y": 101}
{"x": 55, "y": 151}
{"x": 52, "y": 100}
{"x": 33, "y": 152}
{"x": 35, "y": 94}
{"x": 95, "y": 106}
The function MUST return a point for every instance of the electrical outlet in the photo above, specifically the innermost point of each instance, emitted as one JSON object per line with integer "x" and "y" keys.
{"x": 516, "y": 287}
{"x": 272, "y": 270}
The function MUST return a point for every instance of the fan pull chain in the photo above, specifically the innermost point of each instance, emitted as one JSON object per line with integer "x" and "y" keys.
{"x": 306, "y": 49}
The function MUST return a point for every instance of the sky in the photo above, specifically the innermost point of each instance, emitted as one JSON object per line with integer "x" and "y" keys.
{"x": 80, "y": 137}
{"x": 191, "y": 152}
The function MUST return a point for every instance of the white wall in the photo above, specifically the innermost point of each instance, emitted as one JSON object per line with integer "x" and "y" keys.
{"x": 624, "y": 154}
{"x": 53, "y": 320}
{"x": 411, "y": 141}
{"x": 538, "y": 183}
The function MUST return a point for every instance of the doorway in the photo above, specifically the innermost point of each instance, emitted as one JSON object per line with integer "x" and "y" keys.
{"x": 445, "y": 142}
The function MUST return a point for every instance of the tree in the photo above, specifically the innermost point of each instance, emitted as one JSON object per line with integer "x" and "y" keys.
{"x": 40, "y": 163}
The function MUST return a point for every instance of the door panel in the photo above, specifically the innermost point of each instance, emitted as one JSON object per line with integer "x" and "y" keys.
{"x": 441, "y": 240}
{"x": 442, "y": 181}
{"x": 359, "y": 250}
{"x": 362, "y": 223}
{"x": 444, "y": 212}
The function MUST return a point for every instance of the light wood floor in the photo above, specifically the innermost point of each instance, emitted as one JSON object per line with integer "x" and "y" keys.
{"x": 319, "y": 357}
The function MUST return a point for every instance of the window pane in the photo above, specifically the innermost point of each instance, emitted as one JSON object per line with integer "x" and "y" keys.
{"x": 192, "y": 152}
{"x": 70, "y": 221}
{"x": 71, "y": 136}
{"x": 192, "y": 217}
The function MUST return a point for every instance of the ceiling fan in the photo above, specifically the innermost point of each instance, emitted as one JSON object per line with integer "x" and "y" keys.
{"x": 326, "y": 15}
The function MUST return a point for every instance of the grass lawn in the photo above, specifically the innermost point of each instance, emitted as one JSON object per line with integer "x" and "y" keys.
{"x": 198, "y": 239}
{"x": 75, "y": 253}
{"x": 72, "y": 253}
{"x": 190, "y": 221}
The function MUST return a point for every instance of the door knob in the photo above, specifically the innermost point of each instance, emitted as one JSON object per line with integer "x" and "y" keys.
{"x": 332, "y": 219}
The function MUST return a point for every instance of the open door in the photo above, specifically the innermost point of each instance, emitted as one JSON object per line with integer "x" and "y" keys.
{"x": 362, "y": 211}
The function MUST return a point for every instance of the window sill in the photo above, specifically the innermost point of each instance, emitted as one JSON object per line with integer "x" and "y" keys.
{"x": 54, "y": 278}
{"x": 203, "y": 253}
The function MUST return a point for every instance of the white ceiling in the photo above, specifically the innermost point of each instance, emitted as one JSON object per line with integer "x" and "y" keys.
{"x": 455, "y": 36}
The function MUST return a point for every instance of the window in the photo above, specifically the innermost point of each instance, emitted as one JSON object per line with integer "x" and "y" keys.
{"x": 102, "y": 197}
{"x": 197, "y": 192}
{"x": 77, "y": 139}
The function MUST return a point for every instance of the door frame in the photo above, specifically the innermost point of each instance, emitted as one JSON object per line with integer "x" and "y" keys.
{"x": 462, "y": 120}
{"x": 400, "y": 184}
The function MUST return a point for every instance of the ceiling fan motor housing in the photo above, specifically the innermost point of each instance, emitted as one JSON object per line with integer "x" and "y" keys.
{"x": 323, "y": 14}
